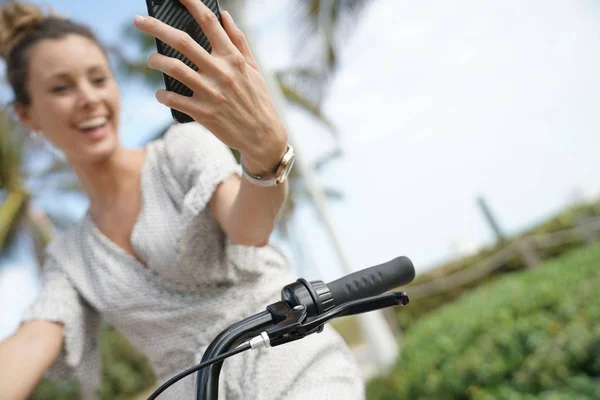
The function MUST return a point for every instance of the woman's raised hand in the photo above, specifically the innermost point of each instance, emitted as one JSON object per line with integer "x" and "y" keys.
{"x": 230, "y": 97}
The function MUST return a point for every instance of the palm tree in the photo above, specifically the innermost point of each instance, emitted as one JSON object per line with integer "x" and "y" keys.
{"x": 28, "y": 173}
{"x": 324, "y": 23}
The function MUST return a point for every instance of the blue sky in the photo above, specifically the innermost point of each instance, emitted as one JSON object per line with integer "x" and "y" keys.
{"x": 436, "y": 102}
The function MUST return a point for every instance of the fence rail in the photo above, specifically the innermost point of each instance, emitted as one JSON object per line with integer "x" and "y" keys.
{"x": 526, "y": 248}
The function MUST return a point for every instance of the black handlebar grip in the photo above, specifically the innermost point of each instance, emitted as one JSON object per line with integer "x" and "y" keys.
{"x": 372, "y": 281}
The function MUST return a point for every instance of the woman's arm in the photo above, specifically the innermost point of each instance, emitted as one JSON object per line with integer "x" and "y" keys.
{"x": 231, "y": 100}
{"x": 246, "y": 212}
{"x": 26, "y": 356}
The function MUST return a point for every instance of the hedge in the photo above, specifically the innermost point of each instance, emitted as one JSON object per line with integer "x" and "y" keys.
{"x": 529, "y": 335}
{"x": 566, "y": 219}
{"x": 125, "y": 372}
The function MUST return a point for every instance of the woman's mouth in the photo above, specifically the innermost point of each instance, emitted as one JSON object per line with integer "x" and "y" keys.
{"x": 94, "y": 128}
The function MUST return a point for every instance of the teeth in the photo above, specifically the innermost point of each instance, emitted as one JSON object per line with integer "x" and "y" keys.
{"x": 93, "y": 123}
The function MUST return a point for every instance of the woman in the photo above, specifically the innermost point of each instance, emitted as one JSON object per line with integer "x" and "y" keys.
{"x": 174, "y": 246}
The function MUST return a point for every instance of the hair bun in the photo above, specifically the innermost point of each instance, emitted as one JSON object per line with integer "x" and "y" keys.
{"x": 16, "y": 20}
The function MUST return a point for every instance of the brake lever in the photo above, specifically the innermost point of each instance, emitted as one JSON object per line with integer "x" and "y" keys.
{"x": 293, "y": 323}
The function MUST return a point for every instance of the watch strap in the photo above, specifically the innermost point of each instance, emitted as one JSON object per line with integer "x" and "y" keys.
{"x": 280, "y": 176}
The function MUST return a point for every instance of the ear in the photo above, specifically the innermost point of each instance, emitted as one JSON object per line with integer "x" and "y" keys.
{"x": 24, "y": 115}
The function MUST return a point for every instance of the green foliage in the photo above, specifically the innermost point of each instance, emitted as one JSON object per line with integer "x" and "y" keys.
{"x": 530, "y": 335}
{"x": 11, "y": 145}
{"x": 62, "y": 390}
{"x": 125, "y": 372}
{"x": 564, "y": 220}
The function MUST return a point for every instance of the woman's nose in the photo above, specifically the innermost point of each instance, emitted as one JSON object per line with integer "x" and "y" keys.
{"x": 88, "y": 94}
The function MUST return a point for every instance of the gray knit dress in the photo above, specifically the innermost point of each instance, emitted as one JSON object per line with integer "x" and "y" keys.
{"x": 193, "y": 283}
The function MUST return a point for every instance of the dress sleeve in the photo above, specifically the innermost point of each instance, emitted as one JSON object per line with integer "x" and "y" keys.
{"x": 198, "y": 161}
{"x": 59, "y": 301}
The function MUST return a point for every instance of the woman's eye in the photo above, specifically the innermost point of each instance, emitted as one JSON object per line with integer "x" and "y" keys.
{"x": 60, "y": 89}
{"x": 99, "y": 80}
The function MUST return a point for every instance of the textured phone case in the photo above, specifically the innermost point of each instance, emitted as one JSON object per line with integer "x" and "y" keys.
{"x": 173, "y": 13}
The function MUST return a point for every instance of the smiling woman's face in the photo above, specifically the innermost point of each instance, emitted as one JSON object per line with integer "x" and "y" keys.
{"x": 74, "y": 98}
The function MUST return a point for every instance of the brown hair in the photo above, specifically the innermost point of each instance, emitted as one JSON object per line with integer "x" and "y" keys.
{"x": 22, "y": 25}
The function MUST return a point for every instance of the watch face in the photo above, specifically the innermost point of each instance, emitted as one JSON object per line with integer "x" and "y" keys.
{"x": 288, "y": 166}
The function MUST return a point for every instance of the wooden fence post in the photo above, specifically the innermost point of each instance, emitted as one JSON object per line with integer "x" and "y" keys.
{"x": 490, "y": 218}
{"x": 528, "y": 252}
{"x": 587, "y": 232}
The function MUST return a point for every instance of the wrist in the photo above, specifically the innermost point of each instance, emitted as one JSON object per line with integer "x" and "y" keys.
{"x": 263, "y": 169}
{"x": 276, "y": 178}
{"x": 266, "y": 163}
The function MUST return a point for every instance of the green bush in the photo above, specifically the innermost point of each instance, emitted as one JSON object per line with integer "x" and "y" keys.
{"x": 125, "y": 372}
{"x": 566, "y": 219}
{"x": 529, "y": 335}
{"x": 63, "y": 390}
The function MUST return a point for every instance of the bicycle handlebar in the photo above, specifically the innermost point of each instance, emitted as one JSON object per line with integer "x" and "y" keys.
{"x": 304, "y": 308}
{"x": 372, "y": 281}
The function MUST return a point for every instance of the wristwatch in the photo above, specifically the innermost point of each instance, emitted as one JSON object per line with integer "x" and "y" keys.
{"x": 283, "y": 170}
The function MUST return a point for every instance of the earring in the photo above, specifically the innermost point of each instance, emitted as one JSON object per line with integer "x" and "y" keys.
{"x": 36, "y": 137}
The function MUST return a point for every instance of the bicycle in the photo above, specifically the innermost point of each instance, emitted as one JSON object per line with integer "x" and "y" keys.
{"x": 305, "y": 307}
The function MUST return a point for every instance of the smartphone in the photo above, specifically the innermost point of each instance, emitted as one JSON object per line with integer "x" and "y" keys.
{"x": 173, "y": 13}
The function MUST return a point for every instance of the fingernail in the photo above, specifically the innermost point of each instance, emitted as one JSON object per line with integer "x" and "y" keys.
{"x": 139, "y": 20}
{"x": 229, "y": 15}
{"x": 160, "y": 95}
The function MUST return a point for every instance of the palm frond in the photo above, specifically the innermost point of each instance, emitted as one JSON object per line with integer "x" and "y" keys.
{"x": 295, "y": 97}
{"x": 145, "y": 43}
{"x": 41, "y": 231}
{"x": 11, "y": 145}
{"x": 307, "y": 82}
{"x": 300, "y": 194}
{"x": 135, "y": 67}
{"x": 28, "y": 171}
{"x": 10, "y": 213}
{"x": 328, "y": 192}
{"x": 322, "y": 27}
{"x": 327, "y": 158}
{"x": 325, "y": 17}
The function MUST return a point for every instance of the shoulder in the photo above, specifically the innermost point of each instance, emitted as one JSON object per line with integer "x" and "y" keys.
{"x": 190, "y": 138}
{"x": 64, "y": 251}
{"x": 65, "y": 241}
{"x": 190, "y": 151}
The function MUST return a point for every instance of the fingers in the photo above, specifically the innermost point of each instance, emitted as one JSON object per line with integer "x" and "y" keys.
{"x": 220, "y": 42}
{"x": 175, "y": 38}
{"x": 175, "y": 68}
{"x": 176, "y": 101}
{"x": 238, "y": 38}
